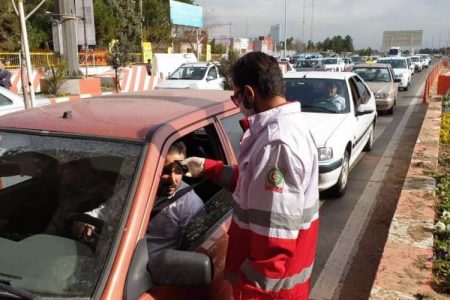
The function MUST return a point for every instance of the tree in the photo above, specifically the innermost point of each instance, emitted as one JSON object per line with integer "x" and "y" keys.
{"x": 310, "y": 45}
{"x": 290, "y": 43}
{"x": 348, "y": 44}
{"x": 217, "y": 48}
{"x": 226, "y": 63}
{"x": 9, "y": 29}
{"x": 157, "y": 26}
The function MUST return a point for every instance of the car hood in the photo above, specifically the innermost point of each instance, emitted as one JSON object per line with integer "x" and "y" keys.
{"x": 178, "y": 84}
{"x": 322, "y": 126}
{"x": 378, "y": 87}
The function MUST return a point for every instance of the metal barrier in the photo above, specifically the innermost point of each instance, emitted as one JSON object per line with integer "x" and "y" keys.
{"x": 38, "y": 59}
{"x": 431, "y": 79}
{"x": 91, "y": 58}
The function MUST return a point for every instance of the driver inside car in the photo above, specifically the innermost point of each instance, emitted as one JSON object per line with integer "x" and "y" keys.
{"x": 333, "y": 98}
{"x": 165, "y": 228}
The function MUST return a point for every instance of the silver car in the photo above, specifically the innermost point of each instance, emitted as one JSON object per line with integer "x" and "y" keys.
{"x": 381, "y": 80}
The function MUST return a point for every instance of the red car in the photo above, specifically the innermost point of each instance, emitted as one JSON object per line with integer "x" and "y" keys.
{"x": 121, "y": 142}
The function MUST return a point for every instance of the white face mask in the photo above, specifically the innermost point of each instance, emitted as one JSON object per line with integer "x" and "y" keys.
{"x": 246, "y": 111}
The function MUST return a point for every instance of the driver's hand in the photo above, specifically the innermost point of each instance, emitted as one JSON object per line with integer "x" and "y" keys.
{"x": 194, "y": 165}
{"x": 80, "y": 228}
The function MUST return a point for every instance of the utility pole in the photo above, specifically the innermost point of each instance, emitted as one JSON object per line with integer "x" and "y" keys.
{"x": 26, "y": 48}
{"x": 312, "y": 19}
{"x": 85, "y": 41}
{"x": 303, "y": 22}
{"x": 68, "y": 20}
{"x": 285, "y": 26}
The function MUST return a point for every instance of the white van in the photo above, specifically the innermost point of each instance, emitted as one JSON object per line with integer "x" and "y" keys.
{"x": 394, "y": 52}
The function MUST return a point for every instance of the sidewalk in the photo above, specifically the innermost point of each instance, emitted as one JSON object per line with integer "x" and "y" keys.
{"x": 405, "y": 269}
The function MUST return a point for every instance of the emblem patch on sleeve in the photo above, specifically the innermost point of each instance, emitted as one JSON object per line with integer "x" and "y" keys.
{"x": 275, "y": 179}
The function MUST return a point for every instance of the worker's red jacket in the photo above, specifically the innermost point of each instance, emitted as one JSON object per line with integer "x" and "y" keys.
{"x": 273, "y": 234}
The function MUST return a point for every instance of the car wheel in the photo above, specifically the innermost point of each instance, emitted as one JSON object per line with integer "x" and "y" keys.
{"x": 369, "y": 145}
{"x": 338, "y": 190}
{"x": 390, "y": 111}
{"x": 406, "y": 87}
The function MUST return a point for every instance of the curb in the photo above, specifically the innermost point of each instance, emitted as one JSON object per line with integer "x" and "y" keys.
{"x": 405, "y": 269}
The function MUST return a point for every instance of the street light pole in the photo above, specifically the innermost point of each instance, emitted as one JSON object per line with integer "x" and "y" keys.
{"x": 285, "y": 26}
{"x": 85, "y": 41}
{"x": 26, "y": 49}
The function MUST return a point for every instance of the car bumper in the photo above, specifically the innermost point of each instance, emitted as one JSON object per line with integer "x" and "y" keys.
{"x": 403, "y": 83}
{"x": 329, "y": 174}
{"x": 384, "y": 104}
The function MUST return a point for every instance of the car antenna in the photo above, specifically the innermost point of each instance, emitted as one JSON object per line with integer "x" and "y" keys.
{"x": 67, "y": 114}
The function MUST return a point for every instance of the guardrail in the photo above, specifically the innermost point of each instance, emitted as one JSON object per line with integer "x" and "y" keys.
{"x": 91, "y": 58}
{"x": 431, "y": 79}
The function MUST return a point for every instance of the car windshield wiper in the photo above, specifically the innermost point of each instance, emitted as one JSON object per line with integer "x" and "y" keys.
{"x": 15, "y": 292}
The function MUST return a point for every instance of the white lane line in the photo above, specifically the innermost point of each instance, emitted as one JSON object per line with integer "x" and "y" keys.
{"x": 339, "y": 260}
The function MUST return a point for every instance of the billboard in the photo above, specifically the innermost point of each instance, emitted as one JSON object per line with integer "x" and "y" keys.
{"x": 186, "y": 14}
{"x": 410, "y": 40}
{"x": 275, "y": 33}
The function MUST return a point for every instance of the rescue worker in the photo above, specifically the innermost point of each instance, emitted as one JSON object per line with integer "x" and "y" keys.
{"x": 275, "y": 222}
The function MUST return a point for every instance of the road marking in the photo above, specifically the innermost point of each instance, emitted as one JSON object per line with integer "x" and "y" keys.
{"x": 346, "y": 246}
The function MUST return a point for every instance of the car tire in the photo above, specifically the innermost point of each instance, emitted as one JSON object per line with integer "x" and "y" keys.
{"x": 369, "y": 145}
{"x": 338, "y": 190}
{"x": 406, "y": 87}
{"x": 390, "y": 111}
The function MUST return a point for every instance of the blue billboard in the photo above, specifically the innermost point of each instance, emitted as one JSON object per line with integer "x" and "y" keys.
{"x": 186, "y": 14}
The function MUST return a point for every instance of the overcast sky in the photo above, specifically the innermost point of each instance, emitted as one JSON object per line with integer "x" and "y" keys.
{"x": 363, "y": 20}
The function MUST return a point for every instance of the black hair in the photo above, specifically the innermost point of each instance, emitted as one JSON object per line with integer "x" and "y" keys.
{"x": 178, "y": 148}
{"x": 261, "y": 72}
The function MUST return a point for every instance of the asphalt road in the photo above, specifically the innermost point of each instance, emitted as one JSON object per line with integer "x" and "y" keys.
{"x": 354, "y": 228}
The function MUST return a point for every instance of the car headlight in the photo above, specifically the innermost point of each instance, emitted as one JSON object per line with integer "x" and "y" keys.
{"x": 381, "y": 95}
{"x": 325, "y": 153}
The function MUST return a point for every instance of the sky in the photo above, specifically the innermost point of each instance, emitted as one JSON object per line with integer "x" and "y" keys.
{"x": 363, "y": 20}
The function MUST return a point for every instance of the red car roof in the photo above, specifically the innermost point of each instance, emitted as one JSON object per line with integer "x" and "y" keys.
{"x": 121, "y": 116}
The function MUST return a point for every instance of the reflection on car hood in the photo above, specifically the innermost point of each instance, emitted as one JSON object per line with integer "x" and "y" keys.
{"x": 178, "y": 84}
{"x": 322, "y": 125}
{"x": 378, "y": 87}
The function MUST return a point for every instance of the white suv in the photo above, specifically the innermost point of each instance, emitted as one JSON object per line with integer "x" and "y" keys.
{"x": 401, "y": 70}
{"x": 199, "y": 75}
{"x": 333, "y": 64}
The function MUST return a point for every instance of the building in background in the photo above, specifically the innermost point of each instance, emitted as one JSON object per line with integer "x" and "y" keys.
{"x": 263, "y": 44}
{"x": 407, "y": 40}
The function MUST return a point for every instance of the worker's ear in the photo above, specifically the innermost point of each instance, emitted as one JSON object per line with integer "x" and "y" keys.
{"x": 248, "y": 97}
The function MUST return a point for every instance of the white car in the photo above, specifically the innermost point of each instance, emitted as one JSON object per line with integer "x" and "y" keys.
{"x": 401, "y": 70}
{"x": 418, "y": 62}
{"x": 333, "y": 64}
{"x": 426, "y": 60}
{"x": 411, "y": 65}
{"x": 11, "y": 102}
{"x": 341, "y": 132}
{"x": 349, "y": 64}
{"x": 199, "y": 75}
